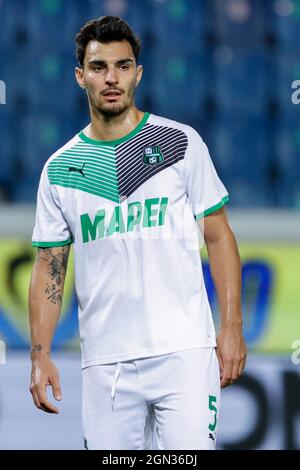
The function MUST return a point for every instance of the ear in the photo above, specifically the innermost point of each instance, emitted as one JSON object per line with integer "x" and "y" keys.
{"x": 139, "y": 73}
{"x": 79, "y": 77}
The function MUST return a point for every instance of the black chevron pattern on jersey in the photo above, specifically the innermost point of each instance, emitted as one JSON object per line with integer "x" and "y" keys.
{"x": 132, "y": 171}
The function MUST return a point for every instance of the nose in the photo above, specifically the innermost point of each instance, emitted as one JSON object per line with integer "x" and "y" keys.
{"x": 111, "y": 76}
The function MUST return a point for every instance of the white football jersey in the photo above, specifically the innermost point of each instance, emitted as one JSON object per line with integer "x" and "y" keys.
{"x": 131, "y": 206}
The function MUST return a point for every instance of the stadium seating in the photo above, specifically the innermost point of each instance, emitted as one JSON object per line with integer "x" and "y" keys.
{"x": 226, "y": 68}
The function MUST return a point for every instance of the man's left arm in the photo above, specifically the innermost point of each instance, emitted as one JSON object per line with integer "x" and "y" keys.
{"x": 225, "y": 267}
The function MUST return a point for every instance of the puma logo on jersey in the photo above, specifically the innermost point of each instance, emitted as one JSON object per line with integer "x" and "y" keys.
{"x": 79, "y": 170}
{"x": 152, "y": 155}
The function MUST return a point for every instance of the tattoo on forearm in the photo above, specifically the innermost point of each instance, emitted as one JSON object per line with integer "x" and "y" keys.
{"x": 57, "y": 264}
{"x": 54, "y": 294}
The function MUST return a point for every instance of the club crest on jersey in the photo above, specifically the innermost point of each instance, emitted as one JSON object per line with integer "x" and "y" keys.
{"x": 153, "y": 155}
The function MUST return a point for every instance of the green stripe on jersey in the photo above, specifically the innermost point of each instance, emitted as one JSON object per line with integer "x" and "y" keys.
{"x": 87, "y": 167}
{"x": 50, "y": 244}
{"x": 213, "y": 208}
{"x": 119, "y": 141}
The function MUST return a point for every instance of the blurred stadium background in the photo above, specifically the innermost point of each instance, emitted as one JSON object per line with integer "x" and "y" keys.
{"x": 225, "y": 67}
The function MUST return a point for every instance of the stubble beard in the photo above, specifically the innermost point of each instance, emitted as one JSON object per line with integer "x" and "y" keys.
{"x": 114, "y": 109}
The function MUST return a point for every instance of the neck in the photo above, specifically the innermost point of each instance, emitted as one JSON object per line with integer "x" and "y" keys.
{"x": 112, "y": 127}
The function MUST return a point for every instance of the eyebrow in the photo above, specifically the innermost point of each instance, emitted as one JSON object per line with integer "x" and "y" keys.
{"x": 118, "y": 62}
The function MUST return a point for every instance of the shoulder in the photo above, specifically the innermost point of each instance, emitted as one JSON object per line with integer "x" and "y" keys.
{"x": 67, "y": 146}
{"x": 189, "y": 131}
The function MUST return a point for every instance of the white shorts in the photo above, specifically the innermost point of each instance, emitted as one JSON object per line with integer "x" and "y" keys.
{"x": 170, "y": 401}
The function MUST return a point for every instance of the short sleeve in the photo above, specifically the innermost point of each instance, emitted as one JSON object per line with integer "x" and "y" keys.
{"x": 205, "y": 190}
{"x": 51, "y": 228}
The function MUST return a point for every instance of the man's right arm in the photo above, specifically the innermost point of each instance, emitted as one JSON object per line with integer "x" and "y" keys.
{"x": 44, "y": 302}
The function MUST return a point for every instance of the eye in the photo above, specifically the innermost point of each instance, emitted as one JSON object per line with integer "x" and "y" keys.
{"x": 98, "y": 68}
{"x": 124, "y": 67}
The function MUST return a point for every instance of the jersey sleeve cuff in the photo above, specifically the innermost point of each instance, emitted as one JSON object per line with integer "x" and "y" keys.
{"x": 212, "y": 208}
{"x": 50, "y": 244}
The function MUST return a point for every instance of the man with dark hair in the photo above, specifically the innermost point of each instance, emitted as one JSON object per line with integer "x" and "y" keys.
{"x": 106, "y": 29}
{"x": 131, "y": 191}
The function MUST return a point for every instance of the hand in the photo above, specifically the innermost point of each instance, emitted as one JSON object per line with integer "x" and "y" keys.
{"x": 44, "y": 373}
{"x": 232, "y": 354}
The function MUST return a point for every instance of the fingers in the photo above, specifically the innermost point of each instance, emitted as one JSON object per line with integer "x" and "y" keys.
{"x": 232, "y": 352}
{"x": 220, "y": 360}
{"x": 232, "y": 371}
{"x": 219, "y": 356}
{"x": 56, "y": 390}
{"x": 236, "y": 370}
{"x": 227, "y": 374}
{"x": 39, "y": 396}
{"x": 242, "y": 365}
{"x": 225, "y": 369}
{"x": 45, "y": 404}
{"x": 34, "y": 396}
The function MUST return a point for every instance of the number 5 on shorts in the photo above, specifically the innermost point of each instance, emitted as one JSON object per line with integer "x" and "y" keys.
{"x": 211, "y": 401}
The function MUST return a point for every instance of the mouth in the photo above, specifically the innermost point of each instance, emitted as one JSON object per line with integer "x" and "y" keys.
{"x": 112, "y": 95}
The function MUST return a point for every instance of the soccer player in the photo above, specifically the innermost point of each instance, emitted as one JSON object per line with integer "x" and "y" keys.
{"x": 134, "y": 192}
